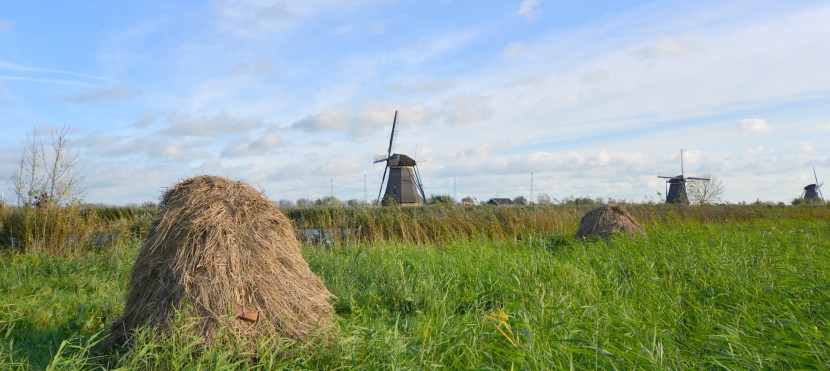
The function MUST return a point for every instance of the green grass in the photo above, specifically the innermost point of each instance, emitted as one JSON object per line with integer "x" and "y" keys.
{"x": 732, "y": 293}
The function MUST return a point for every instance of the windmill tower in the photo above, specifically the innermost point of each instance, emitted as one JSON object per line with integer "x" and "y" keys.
{"x": 812, "y": 192}
{"x": 676, "y": 186}
{"x": 404, "y": 184}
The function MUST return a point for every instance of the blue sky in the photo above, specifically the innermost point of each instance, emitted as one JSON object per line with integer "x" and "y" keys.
{"x": 595, "y": 98}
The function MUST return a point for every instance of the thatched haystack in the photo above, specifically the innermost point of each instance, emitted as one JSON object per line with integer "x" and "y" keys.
{"x": 608, "y": 220}
{"x": 224, "y": 255}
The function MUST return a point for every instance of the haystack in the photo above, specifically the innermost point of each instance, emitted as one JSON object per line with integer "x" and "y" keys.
{"x": 608, "y": 220}
{"x": 222, "y": 254}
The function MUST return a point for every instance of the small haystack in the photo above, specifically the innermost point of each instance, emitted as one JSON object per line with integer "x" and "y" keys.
{"x": 608, "y": 220}
{"x": 224, "y": 255}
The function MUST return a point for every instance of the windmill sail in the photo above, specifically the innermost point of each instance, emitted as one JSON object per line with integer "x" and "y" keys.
{"x": 812, "y": 192}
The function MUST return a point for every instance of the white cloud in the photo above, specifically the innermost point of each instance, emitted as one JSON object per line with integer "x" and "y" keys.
{"x": 755, "y": 125}
{"x": 327, "y": 121}
{"x": 252, "y": 18}
{"x": 144, "y": 122}
{"x": 220, "y": 124}
{"x": 529, "y": 9}
{"x": 754, "y": 151}
{"x": 807, "y": 147}
{"x": 664, "y": 47}
{"x": 6, "y": 25}
{"x": 595, "y": 76}
{"x": 467, "y": 109}
{"x": 257, "y": 147}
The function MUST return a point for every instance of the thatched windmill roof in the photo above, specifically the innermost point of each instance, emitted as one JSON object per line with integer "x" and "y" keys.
{"x": 223, "y": 254}
{"x": 608, "y": 220}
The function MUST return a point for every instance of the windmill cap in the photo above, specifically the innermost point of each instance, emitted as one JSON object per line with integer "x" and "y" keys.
{"x": 401, "y": 160}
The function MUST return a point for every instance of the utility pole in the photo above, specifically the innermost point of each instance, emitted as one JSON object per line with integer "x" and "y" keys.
{"x": 454, "y": 190}
{"x": 531, "y": 187}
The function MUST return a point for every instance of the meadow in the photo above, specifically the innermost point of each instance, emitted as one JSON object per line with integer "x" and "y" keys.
{"x": 449, "y": 287}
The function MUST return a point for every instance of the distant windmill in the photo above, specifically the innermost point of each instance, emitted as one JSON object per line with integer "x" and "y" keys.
{"x": 812, "y": 192}
{"x": 404, "y": 183}
{"x": 676, "y": 192}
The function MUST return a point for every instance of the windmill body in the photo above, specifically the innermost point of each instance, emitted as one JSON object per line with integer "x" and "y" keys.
{"x": 812, "y": 192}
{"x": 676, "y": 192}
{"x": 404, "y": 183}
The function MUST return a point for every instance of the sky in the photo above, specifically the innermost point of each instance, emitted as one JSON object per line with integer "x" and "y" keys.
{"x": 593, "y": 98}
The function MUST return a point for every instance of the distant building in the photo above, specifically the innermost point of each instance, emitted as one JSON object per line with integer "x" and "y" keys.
{"x": 500, "y": 201}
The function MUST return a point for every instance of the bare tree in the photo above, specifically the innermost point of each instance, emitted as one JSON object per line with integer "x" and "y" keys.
{"x": 27, "y": 181}
{"x": 543, "y": 199}
{"x": 54, "y": 175}
{"x": 705, "y": 192}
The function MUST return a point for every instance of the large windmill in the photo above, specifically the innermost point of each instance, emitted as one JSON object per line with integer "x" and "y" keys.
{"x": 404, "y": 185}
{"x": 676, "y": 185}
{"x": 812, "y": 192}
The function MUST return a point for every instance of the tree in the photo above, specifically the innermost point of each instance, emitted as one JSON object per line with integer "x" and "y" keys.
{"x": 50, "y": 175}
{"x": 543, "y": 199}
{"x": 520, "y": 200}
{"x": 356, "y": 203}
{"x": 468, "y": 201}
{"x": 440, "y": 200}
{"x": 328, "y": 201}
{"x": 304, "y": 203}
{"x": 702, "y": 192}
{"x": 285, "y": 204}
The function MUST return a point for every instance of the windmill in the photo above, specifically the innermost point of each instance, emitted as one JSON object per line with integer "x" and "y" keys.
{"x": 812, "y": 192}
{"x": 404, "y": 183}
{"x": 676, "y": 192}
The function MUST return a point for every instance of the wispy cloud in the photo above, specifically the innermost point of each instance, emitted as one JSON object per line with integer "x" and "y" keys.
{"x": 514, "y": 49}
{"x": 529, "y": 9}
{"x": 23, "y": 68}
{"x": 756, "y": 125}
{"x": 116, "y": 92}
{"x": 5, "y": 25}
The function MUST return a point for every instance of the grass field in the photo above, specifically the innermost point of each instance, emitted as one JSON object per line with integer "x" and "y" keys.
{"x": 715, "y": 292}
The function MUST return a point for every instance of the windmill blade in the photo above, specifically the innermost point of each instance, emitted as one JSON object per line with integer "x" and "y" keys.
{"x": 391, "y": 137}
{"x": 693, "y": 178}
{"x": 420, "y": 185}
{"x": 682, "y": 174}
{"x": 665, "y": 177}
{"x": 382, "y": 180}
{"x": 818, "y": 186}
{"x": 814, "y": 174}
{"x": 380, "y": 158}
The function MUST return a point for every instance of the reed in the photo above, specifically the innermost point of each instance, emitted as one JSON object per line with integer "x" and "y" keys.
{"x": 744, "y": 293}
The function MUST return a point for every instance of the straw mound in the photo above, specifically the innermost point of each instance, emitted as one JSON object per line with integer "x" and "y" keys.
{"x": 608, "y": 220}
{"x": 223, "y": 254}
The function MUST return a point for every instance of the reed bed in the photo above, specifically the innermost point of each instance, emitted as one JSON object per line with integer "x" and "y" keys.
{"x": 70, "y": 230}
{"x": 430, "y": 224}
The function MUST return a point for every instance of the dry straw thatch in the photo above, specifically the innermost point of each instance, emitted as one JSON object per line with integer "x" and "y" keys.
{"x": 608, "y": 220}
{"x": 222, "y": 254}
